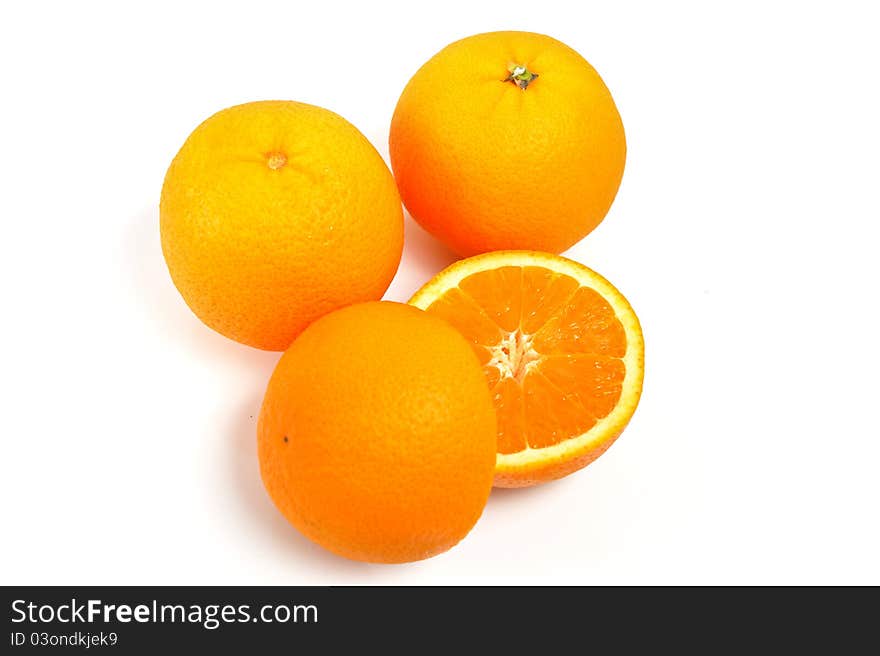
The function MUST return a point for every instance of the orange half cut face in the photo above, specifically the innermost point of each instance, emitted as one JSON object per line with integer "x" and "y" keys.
{"x": 561, "y": 349}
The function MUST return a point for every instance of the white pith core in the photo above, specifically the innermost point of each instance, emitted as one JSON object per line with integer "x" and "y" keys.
{"x": 514, "y": 355}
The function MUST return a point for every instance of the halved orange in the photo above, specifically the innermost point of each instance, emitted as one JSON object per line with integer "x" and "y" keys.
{"x": 562, "y": 351}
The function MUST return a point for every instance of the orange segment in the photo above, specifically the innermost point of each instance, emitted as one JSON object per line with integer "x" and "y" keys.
{"x": 498, "y": 293}
{"x": 561, "y": 350}
{"x": 544, "y": 294}
{"x": 551, "y": 413}
{"x": 463, "y": 313}
{"x": 586, "y": 324}
{"x": 492, "y": 373}
{"x": 508, "y": 398}
{"x": 593, "y": 381}
{"x": 483, "y": 354}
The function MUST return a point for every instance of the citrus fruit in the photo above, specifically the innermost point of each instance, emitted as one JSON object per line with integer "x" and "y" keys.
{"x": 274, "y": 213}
{"x": 507, "y": 140}
{"x": 377, "y": 434}
{"x": 561, "y": 349}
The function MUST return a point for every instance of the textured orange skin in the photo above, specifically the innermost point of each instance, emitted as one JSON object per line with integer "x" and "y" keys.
{"x": 551, "y": 470}
{"x": 259, "y": 253}
{"x": 484, "y": 165}
{"x": 390, "y": 434}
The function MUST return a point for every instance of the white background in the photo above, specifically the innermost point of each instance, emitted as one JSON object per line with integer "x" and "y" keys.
{"x": 744, "y": 234}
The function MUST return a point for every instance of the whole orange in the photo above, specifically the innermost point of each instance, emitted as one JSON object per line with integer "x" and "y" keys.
{"x": 377, "y": 434}
{"x": 274, "y": 213}
{"x": 507, "y": 140}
